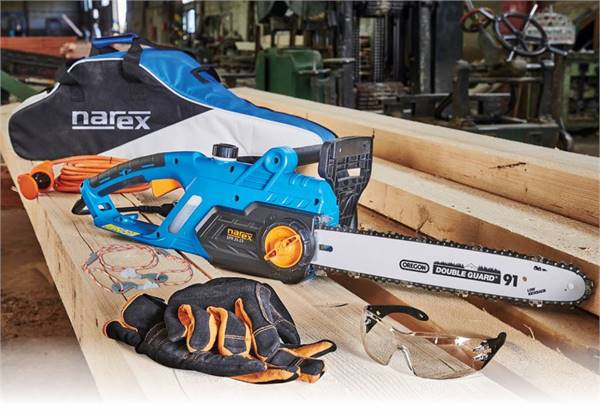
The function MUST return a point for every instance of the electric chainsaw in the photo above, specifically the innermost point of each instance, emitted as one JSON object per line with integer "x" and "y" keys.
{"x": 259, "y": 216}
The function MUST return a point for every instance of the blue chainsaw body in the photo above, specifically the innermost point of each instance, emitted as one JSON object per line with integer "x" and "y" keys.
{"x": 208, "y": 183}
{"x": 228, "y": 207}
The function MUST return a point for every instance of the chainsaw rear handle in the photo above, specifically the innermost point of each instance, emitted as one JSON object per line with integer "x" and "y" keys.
{"x": 96, "y": 191}
{"x": 143, "y": 170}
{"x": 131, "y": 173}
{"x": 166, "y": 165}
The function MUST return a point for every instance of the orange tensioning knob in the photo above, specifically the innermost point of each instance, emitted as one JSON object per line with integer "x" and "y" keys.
{"x": 284, "y": 247}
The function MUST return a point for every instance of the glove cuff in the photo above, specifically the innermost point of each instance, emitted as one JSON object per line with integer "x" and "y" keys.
{"x": 138, "y": 316}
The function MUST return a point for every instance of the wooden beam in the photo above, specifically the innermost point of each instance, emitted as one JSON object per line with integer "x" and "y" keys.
{"x": 554, "y": 180}
{"x": 42, "y": 45}
{"x": 321, "y": 308}
{"x": 518, "y": 377}
{"x": 452, "y": 314}
{"x": 446, "y": 210}
{"x": 572, "y": 332}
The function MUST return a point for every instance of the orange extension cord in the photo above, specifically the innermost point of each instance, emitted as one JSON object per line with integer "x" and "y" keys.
{"x": 78, "y": 168}
{"x": 74, "y": 171}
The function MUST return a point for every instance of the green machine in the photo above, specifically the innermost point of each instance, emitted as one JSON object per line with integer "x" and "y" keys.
{"x": 579, "y": 108}
{"x": 293, "y": 71}
{"x": 12, "y": 86}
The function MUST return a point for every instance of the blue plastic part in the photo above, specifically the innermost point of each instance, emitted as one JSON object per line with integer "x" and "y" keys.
{"x": 123, "y": 287}
{"x": 125, "y": 38}
{"x": 210, "y": 183}
{"x": 93, "y": 257}
{"x": 174, "y": 69}
{"x": 180, "y": 78}
{"x": 163, "y": 252}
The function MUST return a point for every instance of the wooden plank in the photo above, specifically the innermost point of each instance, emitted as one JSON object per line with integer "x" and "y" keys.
{"x": 67, "y": 241}
{"x": 10, "y": 199}
{"x": 512, "y": 373}
{"x": 518, "y": 363}
{"x": 446, "y": 210}
{"x": 561, "y": 182}
{"x": 320, "y": 308}
{"x": 572, "y": 332}
{"x": 43, "y": 45}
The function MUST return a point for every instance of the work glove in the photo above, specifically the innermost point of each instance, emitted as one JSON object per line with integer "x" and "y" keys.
{"x": 274, "y": 339}
{"x": 142, "y": 326}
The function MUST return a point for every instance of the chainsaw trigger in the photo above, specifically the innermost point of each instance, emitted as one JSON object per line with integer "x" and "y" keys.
{"x": 164, "y": 186}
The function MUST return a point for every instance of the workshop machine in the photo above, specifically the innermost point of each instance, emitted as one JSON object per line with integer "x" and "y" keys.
{"x": 579, "y": 106}
{"x": 510, "y": 94}
{"x": 300, "y": 72}
{"x": 13, "y": 86}
{"x": 322, "y": 68}
{"x": 294, "y": 71}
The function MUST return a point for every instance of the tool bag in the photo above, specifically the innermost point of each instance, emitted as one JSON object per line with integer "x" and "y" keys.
{"x": 146, "y": 100}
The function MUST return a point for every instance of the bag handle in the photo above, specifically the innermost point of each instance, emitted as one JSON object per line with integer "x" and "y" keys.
{"x": 206, "y": 69}
{"x": 102, "y": 45}
{"x": 102, "y": 42}
{"x": 131, "y": 60}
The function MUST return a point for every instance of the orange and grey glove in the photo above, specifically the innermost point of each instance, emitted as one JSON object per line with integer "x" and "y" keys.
{"x": 142, "y": 326}
{"x": 274, "y": 339}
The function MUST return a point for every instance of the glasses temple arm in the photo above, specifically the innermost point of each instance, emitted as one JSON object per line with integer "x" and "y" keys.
{"x": 381, "y": 311}
{"x": 495, "y": 344}
{"x": 384, "y": 310}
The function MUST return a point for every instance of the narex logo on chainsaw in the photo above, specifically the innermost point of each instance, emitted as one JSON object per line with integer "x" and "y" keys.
{"x": 239, "y": 235}
{"x": 110, "y": 119}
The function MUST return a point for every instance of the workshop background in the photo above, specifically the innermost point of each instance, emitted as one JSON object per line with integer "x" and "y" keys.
{"x": 423, "y": 61}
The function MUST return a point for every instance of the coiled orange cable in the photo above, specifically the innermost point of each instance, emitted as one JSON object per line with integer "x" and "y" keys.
{"x": 73, "y": 172}
{"x": 78, "y": 168}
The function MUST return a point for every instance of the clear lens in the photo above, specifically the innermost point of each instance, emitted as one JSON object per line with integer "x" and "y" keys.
{"x": 428, "y": 355}
{"x": 438, "y": 357}
{"x": 378, "y": 339}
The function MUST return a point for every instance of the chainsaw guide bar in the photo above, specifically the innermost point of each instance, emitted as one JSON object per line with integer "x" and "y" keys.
{"x": 451, "y": 272}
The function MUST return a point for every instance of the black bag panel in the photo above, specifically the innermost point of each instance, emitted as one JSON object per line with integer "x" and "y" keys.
{"x": 96, "y": 110}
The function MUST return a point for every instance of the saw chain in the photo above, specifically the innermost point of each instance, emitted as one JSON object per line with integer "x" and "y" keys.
{"x": 462, "y": 293}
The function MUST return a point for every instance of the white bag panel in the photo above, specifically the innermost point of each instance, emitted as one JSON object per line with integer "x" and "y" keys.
{"x": 253, "y": 136}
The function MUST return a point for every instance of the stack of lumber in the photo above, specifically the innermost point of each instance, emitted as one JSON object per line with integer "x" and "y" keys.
{"x": 400, "y": 198}
{"x": 41, "y": 45}
{"x": 473, "y": 189}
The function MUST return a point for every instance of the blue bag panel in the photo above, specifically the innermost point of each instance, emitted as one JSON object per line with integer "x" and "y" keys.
{"x": 181, "y": 73}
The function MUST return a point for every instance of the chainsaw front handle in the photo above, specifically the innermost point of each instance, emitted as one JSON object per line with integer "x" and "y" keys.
{"x": 208, "y": 184}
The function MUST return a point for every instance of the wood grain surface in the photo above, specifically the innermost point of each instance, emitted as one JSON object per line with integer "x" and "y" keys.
{"x": 321, "y": 307}
{"x": 558, "y": 181}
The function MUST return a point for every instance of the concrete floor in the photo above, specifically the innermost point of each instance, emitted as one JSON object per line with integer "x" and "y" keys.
{"x": 40, "y": 358}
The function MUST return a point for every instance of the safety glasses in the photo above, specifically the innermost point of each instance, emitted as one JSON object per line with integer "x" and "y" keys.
{"x": 427, "y": 354}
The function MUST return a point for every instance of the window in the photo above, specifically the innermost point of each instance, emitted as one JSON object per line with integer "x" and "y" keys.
{"x": 189, "y": 21}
